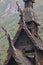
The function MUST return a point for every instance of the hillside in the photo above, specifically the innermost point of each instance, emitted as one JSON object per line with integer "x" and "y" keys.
{"x": 9, "y": 19}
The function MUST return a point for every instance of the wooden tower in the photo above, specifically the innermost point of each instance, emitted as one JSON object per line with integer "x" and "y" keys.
{"x": 30, "y": 17}
{"x": 26, "y": 44}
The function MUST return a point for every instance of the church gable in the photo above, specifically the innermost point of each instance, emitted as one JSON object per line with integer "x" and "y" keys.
{"x": 23, "y": 41}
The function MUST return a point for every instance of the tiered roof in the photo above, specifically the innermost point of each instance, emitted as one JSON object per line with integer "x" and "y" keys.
{"x": 37, "y": 42}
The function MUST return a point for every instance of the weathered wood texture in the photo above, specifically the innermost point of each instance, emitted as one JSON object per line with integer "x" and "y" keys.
{"x": 17, "y": 54}
{"x": 29, "y": 15}
{"x": 25, "y": 47}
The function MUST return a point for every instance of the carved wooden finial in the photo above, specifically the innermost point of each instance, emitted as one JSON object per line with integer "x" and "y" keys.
{"x": 19, "y": 9}
{"x": 7, "y": 34}
{"x": 21, "y": 12}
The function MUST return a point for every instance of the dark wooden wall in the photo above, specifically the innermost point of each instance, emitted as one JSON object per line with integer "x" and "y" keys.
{"x": 40, "y": 53}
{"x": 12, "y": 61}
{"x": 25, "y": 44}
{"x": 23, "y": 41}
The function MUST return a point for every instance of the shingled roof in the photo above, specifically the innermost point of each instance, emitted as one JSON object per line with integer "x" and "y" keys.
{"x": 15, "y": 53}
{"x": 36, "y": 40}
{"x": 29, "y": 16}
{"x": 18, "y": 57}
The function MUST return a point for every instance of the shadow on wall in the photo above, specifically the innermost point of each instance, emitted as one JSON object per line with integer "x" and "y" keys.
{"x": 12, "y": 61}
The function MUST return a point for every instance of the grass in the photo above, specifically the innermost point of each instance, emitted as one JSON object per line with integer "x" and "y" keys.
{"x": 10, "y": 23}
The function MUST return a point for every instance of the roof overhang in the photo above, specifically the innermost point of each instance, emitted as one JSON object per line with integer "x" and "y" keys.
{"x": 36, "y": 41}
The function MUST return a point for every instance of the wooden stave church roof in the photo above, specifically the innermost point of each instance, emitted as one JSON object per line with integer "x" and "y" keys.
{"x": 9, "y": 50}
{"x": 34, "y": 39}
{"x": 31, "y": 16}
{"x": 36, "y": 42}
